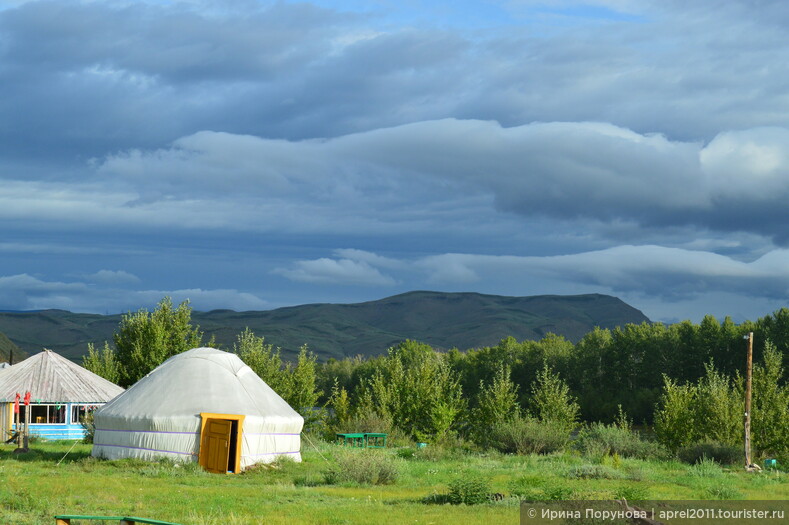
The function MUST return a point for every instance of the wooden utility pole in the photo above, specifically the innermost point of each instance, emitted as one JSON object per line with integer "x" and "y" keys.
{"x": 748, "y": 386}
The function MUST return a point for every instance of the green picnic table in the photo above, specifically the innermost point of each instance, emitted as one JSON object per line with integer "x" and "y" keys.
{"x": 375, "y": 440}
{"x": 362, "y": 439}
{"x": 354, "y": 439}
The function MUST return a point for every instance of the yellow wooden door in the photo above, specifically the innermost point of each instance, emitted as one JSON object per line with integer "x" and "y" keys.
{"x": 216, "y": 440}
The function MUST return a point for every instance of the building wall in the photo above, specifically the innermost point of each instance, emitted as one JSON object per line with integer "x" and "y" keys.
{"x": 69, "y": 430}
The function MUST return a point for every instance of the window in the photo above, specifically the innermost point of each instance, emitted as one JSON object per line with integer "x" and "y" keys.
{"x": 79, "y": 411}
{"x": 45, "y": 414}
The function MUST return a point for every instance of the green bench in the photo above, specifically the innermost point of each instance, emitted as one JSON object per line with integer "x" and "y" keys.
{"x": 362, "y": 440}
{"x": 65, "y": 519}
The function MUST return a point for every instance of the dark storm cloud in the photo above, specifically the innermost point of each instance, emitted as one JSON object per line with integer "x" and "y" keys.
{"x": 738, "y": 182}
{"x": 471, "y": 149}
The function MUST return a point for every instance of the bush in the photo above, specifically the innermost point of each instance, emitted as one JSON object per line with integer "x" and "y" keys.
{"x": 600, "y": 439}
{"x": 90, "y": 429}
{"x": 706, "y": 468}
{"x": 526, "y": 435}
{"x": 366, "y": 467}
{"x": 594, "y": 472}
{"x": 469, "y": 489}
{"x": 723, "y": 454}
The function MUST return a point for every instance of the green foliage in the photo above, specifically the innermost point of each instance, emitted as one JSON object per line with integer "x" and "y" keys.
{"x": 366, "y": 467}
{"x": 296, "y": 384}
{"x": 675, "y": 417}
{"x": 594, "y": 472}
{"x": 710, "y": 410}
{"x": 632, "y": 492}
{"x": 262, "y": 358}
{"x": 719, "y": 407}
{"x": 415, "y": 390}
{"x": 144, "y": 340}
{"x": 299, "y": 389}
{"x": 599, "y": 439}
{"x": 496, "y": 403}
{"x": 9, "y": 349}
{"x": 551, "y": 400}
{"x": 712, "y": 450}
{"x": 469, "y": 489}
{"x": 769, "y": 421}
{"x": 340, "y": 406}
{"x": 104, "y": 364}
{"x": 706, "y": 468}
{"x": 527, "y": 435}
{"x": 86, "y": 421}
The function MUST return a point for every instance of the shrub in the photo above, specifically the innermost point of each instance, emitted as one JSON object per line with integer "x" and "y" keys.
{"x": 90, "y": 429}
{"x": 723, "y": 454}
{"x": 675, "y": 423}
{"x": 366, "y": 467}
{"x": 601, "y": 439}
{"x": 593, "y": 472}
{"x": 469, "y": 489}
{"x": 706, "y": 468}
{"x": 526, "y": 435}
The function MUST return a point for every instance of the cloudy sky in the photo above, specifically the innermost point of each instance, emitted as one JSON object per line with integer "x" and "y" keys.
{"x": 253, "y": 154}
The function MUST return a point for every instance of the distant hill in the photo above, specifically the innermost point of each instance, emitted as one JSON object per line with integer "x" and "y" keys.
{"x": 443, "y": 320}
{"x": 7, "y": 349}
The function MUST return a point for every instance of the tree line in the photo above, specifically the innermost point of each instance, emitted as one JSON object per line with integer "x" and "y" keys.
{"x": 684, "y": 379}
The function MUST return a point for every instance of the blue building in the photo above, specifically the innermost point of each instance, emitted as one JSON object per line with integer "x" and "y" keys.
{"x": 61, "y": 393}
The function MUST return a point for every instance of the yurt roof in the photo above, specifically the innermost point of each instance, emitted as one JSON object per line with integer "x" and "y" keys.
{"x": 50, "y": 377}
{"x": 199, "y": 380}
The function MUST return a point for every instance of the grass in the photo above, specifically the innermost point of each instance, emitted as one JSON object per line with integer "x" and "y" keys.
{"x": 33, "y": 488}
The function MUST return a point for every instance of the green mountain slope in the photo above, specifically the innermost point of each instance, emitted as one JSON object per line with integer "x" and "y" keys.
{"x": 443, "y": 320}
{"x": 7, "y": 348}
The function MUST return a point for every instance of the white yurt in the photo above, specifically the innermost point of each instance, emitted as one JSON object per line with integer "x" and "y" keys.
{"x": 202, "y": 405}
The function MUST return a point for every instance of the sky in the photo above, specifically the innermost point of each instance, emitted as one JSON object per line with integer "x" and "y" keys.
{"x": 250, "y": 155}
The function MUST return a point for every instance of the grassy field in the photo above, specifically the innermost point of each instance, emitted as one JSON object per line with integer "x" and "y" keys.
{"x": 35, "y": 486}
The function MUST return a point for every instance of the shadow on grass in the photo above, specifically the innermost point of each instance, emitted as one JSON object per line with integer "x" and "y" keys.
{"x": 37, "y": 454}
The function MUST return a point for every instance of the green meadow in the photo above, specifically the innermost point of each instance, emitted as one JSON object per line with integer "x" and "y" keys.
{"x": 399, "y": 485}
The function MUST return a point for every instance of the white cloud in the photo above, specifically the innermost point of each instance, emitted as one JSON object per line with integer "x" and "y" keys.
{"x": 336, "y": 272}
{"x": 113, "y": 277}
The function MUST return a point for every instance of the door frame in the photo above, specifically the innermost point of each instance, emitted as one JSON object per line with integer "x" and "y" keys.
{"x": 205, "y": 416}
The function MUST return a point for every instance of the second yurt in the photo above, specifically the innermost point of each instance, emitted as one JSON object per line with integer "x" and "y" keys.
{"x": 202, "y": 405}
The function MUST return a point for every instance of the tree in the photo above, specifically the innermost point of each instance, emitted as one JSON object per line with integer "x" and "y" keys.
{"x": 415, "y": 389}
{"x": 496, "y": 403}
{"x": 262, "y": 358}
{"x": 299, "y": 388}
{"x": 551, "y": 400}
{"x": 144, "y": 340}
{"x": 103, "y": 363}
{"x": 770, "y": 404}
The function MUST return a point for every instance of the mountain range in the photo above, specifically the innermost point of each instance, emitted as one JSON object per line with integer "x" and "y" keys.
{"x": 442, "y": 320}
